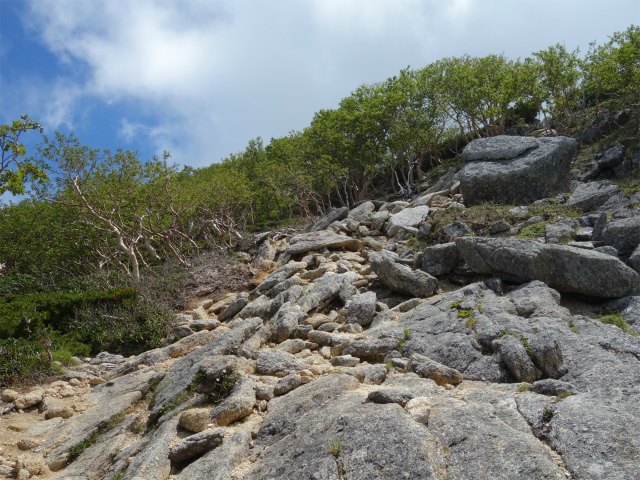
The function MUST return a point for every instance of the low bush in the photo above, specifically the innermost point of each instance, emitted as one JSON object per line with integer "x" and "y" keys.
{"x": 21, "y": 315}
{"x": 22, "y": 361}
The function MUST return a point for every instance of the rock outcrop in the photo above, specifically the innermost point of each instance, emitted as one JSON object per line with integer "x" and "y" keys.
{"x": 385, "y": 343}
{"x": 515, "y": 170}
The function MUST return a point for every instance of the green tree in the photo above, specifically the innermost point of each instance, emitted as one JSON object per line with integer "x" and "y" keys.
{"x": 15, "y": 172}
{"x": 558, "y": 71}
{"x": 132, "y": 204}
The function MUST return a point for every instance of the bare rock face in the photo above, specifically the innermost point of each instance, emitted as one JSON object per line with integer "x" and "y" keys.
{"x": 196, "y": 444}
{"x": 565, "y": 268}
{"x": 514, "y": 170}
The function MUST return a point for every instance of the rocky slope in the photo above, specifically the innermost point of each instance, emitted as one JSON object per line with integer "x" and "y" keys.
{"x": 365, "y": 354}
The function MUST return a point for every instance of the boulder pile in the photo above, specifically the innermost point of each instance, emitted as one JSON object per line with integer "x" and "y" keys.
{"x": 381, "y": 344}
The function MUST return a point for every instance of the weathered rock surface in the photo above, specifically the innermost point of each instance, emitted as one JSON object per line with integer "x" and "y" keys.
{"x": 306, "y": 242}
{"x": 589, "y": 196}
{"x": 409, "y": 217}
{"x": 537, "y": 173}
{"x": 339, "y": 440}
{"x": 196, "y": 444}
{"x": 361, "y": 309}
{"x": 401, "y": 278}
{"x": 564, "y": 268}
{"x": 440, "y": 259}
{"x": 328, "y": 355}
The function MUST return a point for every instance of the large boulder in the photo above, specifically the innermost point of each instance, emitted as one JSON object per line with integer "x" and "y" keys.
{"x": 564, "y": 268}
{"x": 440, "y": 259}
{"x": 623, "y": 235}
{"x": 513, "y": 170}
{"x": 401, "y": 278}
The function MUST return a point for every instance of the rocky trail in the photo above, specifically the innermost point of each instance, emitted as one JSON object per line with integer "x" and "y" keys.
{"x": 382, "y": 345}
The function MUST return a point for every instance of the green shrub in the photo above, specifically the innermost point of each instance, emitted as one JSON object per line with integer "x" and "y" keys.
{"x": 533, "y": 231}
{"x": 22, "y": 361}
{"x": 53, "y": 310}
{"x": 128, "y": 329}
{"x": 62, "y": 356}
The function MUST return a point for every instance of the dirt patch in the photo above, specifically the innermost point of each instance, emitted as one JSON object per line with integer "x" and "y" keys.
{"x": 215, "y": 282}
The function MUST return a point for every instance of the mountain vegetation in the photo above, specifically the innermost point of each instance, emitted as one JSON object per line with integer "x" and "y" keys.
{"x": 106, "y": 236}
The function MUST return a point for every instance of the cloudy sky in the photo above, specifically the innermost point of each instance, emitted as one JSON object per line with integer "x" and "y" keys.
{"x": 202, "y": 77}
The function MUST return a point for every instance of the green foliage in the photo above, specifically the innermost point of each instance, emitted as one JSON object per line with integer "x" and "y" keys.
{"x": 63, "y": 356}
{"x": 81, "y": 446}
{"x": 456, "y": 304}
{"x": 523, "y": 388}
{"x": 137, "y": 427}
{"x": 22, "y": 361}
{"x": 531, "y": 232}
{"x": 389, "y": 366}
{"x": 14, "y": 172}
{"x": 129, "y": 329}
{"x": 617, "y": 320}
{"x": 55, "y": 311}
{"x": 547, "y": 414}
{"x": 334, "y": 447}
{"x": 223, "y": 383}
{"x": 407, "y": 334}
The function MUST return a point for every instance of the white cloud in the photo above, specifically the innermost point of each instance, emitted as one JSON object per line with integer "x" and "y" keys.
{"x": 213, "y": 74}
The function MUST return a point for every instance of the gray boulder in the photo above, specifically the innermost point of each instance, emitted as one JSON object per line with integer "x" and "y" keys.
{"x": 401, "y": 278}
{"x": 234, "y": 307}
{"x": 427, "y": 368}
{"x": 440, "y": 259}
{"x": 563, "y": 268}
{"x": 265, "y": 256}
{"x": 515, "y": 357}
{"x": 362, "y": 308}
{"x": 409, "y": 217}
{"x": 634, "y": 259}
{"x": 371, "y": 349}
{"x": 196, "y": 444}
{"x": 286, "y": 322}
{"x": 305, "y": 242}
{"x": 280, "y": 275}
{"x": 455, "y": 230}
{"x": 363, "y": 212}
{"x": 339, "y": 442}
{"x": 589, "y": 196}
{"x": 328, "y": 287}
{"x": 538, "y": 172}
{"x": 277, "y": 363}
{"x": 502, "y": 147}
{"x": 218, "y": 464}
{"x": 611, "y": 158}
{"x": 623, "y": 235}
{"x": 237, "y": 405}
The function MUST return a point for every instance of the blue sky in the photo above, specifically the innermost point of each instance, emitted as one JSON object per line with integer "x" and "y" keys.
{"x": 202, "y": 77}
